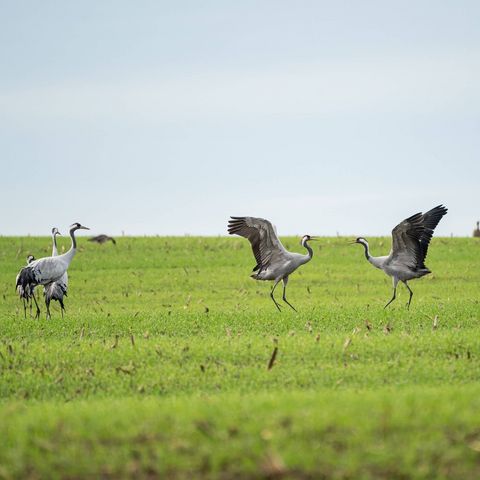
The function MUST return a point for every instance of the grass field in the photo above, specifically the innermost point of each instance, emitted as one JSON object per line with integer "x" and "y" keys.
{"x": 159, "y": 368}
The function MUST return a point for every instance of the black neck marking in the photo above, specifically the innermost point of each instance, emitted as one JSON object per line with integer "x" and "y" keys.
{"x": 367, "y": 254}
{"x": 72, "y": 235}
{"x": 308, "y": 247}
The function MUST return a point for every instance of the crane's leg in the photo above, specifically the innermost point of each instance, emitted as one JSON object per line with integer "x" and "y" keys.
{"x": 411, "y": 295}
{"x": 47, "y": 304}
{"x": 285, "y": 281}
{"x": 24, "y": 308}
{"x": 273, "y": 298}
{"x": 395, "y": 283}
{"x": 37, "y": 315}
{"x": 31, "y": 305}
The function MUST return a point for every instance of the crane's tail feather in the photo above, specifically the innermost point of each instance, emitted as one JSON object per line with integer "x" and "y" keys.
{"x": 26, "y": 282}
{"x": 55, "y": 291}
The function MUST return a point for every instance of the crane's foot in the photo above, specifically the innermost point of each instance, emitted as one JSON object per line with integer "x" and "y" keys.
{"x": 274, "y": 301}
{"x": 409, "y": 302}
{"x": 289, "y": 304}
{"x": 391, "y": 300}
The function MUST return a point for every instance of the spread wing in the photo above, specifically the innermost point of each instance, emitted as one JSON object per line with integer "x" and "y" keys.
{"x": 266, "y": 246}
{"x": 412, "y": 237}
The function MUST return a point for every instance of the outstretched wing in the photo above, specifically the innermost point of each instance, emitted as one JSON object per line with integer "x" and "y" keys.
{"x": 266, "y": 246}
{"x": 412, "y": 237}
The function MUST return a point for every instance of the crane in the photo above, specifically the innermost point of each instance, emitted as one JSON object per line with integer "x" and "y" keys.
{"x": 58, "y": 289}
{"x": 273, "y": 261}
{"x": 22, "y": 293}
{"x": 102, "y": 238}
{"x": 47, "y": 270}
{"x": 410, "y": 240}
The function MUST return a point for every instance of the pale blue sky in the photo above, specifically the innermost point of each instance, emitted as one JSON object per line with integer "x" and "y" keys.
{"x": 156, "y": 117}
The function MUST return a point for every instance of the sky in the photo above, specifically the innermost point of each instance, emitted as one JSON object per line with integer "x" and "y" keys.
{"x": 156, "y": 117}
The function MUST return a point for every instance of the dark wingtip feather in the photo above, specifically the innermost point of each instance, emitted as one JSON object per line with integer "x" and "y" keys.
{"x": 439, "y": 210}
{"x": 235, "y": 224}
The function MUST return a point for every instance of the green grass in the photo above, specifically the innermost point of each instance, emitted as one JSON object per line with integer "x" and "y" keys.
{"x": 159, "y": 368}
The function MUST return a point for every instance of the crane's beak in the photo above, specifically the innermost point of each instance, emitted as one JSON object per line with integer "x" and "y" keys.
{"x": 83, "y": 228}
{"x": 58, "y": 233}
{"x": 352, "y": 243}
{"x": 314, "y": 238}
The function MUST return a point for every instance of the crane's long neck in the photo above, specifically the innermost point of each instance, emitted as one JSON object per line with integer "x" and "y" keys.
{"x": 367, "y": 250}
{"x": 309, "y": 255}
{"x": 70, "y": 254}
{"x": 375, "y": 261}
{"x": 54, "y": 247}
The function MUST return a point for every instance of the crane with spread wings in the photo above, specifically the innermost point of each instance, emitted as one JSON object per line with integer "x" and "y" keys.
{"x": 274, "y": 262}
{"x": 410, "y": 241}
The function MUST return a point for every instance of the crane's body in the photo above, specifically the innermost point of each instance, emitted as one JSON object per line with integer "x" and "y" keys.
{"x": 58, "y": 289}
{"x": 45, "y": 271}
{"x": 278, "y": 271}
{"x": 410, "y": 241}
{"x": 102, "y": 238}
{"x": 24, "y": 293}
{"x": 394, "y": 268}
{"x": 274, "y": 262}
{"x": 49, "y": 269}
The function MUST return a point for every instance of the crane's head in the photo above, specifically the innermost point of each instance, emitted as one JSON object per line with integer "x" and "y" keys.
{"x": 30, "y": 259}
{"x": 55, "y": 231}
{"x": 306, "y": 238}
{"x": 77, "y": 226}
{"x": 361, "y": 240}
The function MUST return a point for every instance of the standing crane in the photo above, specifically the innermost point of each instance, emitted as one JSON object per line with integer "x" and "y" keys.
{"x": 22, "y": 293}
{"x": 476, "y": 232}
{"x": 410, "y": 240}
{"x": 47, "y": 270}
{"x": 273, "y": 261}
{"x": 58, "y": 289}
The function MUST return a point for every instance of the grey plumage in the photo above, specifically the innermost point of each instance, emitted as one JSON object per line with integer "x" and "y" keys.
{"x": 274, "y": 262}
{"x": 24, "y": 292}
{"x": 101, "y": 239}
{"x": 55, "y": 291}
{"x": 58, "y": 289}
{"x": 410, "y": 241}
{"x": 24, "y": 282}
{"x": 476, "y": 232}
{"x": 47, "y": 270}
